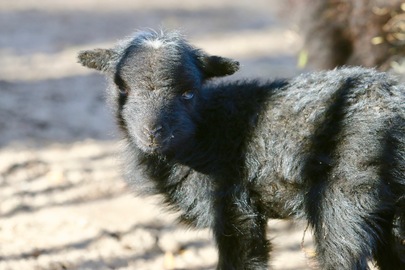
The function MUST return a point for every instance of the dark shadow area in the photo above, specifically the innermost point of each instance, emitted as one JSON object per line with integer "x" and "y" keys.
{"x": 55, "y": 110}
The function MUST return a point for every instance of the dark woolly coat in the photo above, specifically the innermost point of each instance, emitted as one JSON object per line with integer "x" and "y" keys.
{"x": 328, "y": 147}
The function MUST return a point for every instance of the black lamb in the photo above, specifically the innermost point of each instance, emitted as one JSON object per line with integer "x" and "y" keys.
{"x": 327, "y": 147}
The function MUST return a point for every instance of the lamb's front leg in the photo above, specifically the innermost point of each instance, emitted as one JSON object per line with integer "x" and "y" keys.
{"x": 240, "y": 232}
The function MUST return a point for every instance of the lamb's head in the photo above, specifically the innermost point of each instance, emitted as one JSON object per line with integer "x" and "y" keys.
{"x": 155, "y": 82}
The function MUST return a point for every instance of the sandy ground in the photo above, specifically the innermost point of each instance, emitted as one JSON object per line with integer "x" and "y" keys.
{"x": 63, "y": 204}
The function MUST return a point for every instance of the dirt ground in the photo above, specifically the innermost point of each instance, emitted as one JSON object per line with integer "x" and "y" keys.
{"x": 63, "y": 203}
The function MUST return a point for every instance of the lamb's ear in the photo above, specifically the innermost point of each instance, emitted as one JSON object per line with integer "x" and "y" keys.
{"x": 217, "y": 66}
{"x": 99, "y": 59}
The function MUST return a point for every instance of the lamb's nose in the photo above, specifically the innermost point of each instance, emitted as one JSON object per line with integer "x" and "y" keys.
{"x": 153, "y": 132}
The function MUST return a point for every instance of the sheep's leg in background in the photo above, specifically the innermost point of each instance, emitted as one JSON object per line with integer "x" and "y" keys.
{"x": 240, "y": 231}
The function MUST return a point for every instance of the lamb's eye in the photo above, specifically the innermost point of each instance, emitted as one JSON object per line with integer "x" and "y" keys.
{"x": 187, "y": 95}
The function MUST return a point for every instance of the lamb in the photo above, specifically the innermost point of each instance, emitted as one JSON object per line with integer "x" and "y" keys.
{"x": 327, "y": 147}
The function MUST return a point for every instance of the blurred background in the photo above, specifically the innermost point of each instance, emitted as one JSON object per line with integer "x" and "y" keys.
{"x": 63, "y": 204}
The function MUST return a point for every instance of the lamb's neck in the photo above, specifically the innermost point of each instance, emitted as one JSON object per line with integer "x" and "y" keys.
{"x": 229, "y": 114}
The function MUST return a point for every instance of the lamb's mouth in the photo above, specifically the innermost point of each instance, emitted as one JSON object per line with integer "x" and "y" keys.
{"x": 153, "y": 146}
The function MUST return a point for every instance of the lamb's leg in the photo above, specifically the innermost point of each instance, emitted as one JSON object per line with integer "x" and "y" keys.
{"x": 390, "y": 252}
{"x": 240, "y": 232}
{"x": 351, "y": 225}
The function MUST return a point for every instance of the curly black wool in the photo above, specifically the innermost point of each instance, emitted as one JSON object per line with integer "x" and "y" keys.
{"x": 328, "y": 147}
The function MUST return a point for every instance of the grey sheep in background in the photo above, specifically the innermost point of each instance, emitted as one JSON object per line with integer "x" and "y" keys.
{"x": 327, "y": 147}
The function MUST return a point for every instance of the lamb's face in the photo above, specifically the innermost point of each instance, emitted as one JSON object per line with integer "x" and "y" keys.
{"x": 155, "y": 87}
